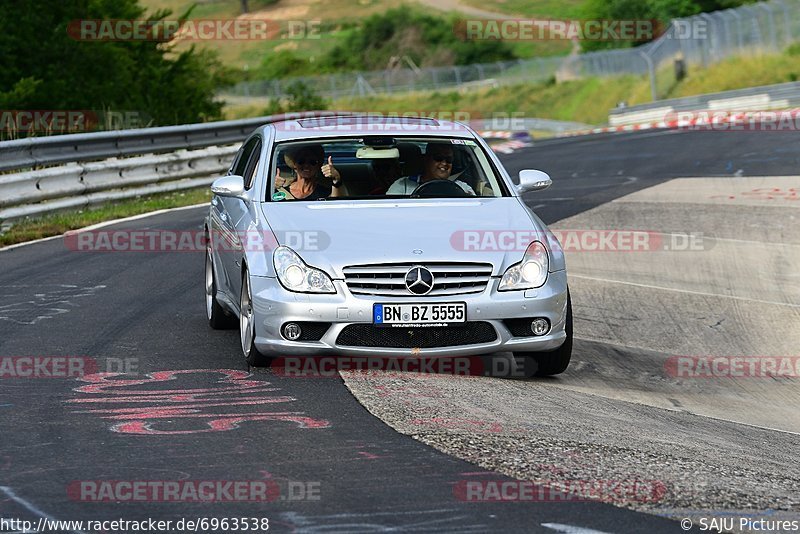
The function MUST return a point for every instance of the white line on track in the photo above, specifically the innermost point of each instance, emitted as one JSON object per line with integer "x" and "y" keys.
{"x": 571, "y": 529}
{"x": 746, "y": 241}
{"x": 687, "y": 291}
{"x": 106, "y": 223}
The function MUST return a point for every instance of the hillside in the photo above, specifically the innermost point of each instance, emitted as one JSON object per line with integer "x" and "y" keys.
{"x": 337, "y": 20}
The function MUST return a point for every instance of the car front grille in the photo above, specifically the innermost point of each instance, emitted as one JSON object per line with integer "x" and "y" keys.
{"x": 389, "y": 279}
{"x": 367, "y": 335}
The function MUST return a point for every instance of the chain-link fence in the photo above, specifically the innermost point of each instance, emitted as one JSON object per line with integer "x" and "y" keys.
{"x": 404, "y": 80}
{"x": 702, "y": 39}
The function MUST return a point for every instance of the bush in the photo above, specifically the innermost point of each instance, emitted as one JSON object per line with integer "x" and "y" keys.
{"x": 301, "y": 97}
{"x": 284, "y": 64}
{"x": 793, "y": 49}
{"x": 404, "y": 31}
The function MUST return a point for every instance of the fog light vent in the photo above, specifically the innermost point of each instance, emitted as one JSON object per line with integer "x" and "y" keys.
{"x": 540, "y": 326}
{"x": 292, "y": 331}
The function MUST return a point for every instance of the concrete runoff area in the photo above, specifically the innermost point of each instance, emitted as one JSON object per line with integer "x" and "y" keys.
{"x": 720, "y": 434}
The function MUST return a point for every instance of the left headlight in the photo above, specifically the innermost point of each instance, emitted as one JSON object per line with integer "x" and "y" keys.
{"x": 530, "y": 273}
{"x": 295, "y": 275}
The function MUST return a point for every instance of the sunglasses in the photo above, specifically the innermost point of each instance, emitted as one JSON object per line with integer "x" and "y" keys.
{"x": 306, "y": 161}
{"x": 441, "y": 157}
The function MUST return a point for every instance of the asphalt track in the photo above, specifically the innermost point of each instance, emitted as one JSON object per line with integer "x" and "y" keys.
{"x": 146, "y": 310}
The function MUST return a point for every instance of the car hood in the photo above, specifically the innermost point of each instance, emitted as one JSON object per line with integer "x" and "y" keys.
{"x": 331, "y": 235}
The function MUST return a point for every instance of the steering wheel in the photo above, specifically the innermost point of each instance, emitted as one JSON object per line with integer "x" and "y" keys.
{"x": 439, "y": 188}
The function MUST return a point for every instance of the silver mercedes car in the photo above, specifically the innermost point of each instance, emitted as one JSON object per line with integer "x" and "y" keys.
{"x": 392, "y": 237}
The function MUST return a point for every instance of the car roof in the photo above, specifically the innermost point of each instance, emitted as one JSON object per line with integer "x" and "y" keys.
{"x": 358, "y": 125}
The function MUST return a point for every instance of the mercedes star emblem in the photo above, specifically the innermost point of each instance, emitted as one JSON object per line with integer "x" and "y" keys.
{"x": 419, "y": 280}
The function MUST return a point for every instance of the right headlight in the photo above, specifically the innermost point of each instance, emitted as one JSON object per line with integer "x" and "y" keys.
{"x": 530, "y": 273}
{"x": 295, "y": 275}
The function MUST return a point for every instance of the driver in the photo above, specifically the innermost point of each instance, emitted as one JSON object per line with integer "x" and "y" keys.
{"x": 436, "y": 165}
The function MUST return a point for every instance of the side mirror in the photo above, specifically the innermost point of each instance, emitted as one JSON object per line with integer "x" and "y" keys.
{"x": 533, "y": 180}
{"x": 228, "y": 186}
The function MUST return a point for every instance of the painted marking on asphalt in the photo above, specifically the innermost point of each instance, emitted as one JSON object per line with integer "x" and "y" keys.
{"x": 172, "y": 405}
{"x": 571, "y": 529}
{"x": 29, "y": 304}
{"x": 687, "y": 291}
{"x": 369, "y": 455}
{"x": 765, "y": 193}
{"x": 30, "y": 507}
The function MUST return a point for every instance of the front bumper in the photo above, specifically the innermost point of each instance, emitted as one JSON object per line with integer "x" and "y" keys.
{"x": 274, "y": 306}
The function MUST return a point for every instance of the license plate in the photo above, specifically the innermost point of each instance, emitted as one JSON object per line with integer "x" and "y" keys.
{"x": 439, "y": 314}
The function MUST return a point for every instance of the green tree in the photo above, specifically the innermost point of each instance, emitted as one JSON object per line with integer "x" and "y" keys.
{"x": 301, "y": 97}
{"x": 44, "y": 67}
{"x": 284, "y": 64}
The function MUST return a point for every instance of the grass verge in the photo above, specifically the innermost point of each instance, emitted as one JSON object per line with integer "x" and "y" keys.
{"x": 586, "y": 100}
{"x": 58, "y": 223}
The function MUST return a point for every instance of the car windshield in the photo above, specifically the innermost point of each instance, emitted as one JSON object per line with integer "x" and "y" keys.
{"x": 382, "y": 167}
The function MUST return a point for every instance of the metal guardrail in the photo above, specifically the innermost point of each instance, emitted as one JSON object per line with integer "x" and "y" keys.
{"x": 768, "y": 97}
{"x": 38, "y": 151}
{"x": 78, "y": 170}
{"x": 76, "y": 185}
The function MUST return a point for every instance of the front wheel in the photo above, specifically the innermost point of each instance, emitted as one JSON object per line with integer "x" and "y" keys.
{"x": 218, "y": 318}
{"x": 552, "y": 362}
{"x": 247, "y": 326}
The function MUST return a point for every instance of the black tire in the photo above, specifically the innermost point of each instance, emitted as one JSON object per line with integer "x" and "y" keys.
{"x": 247, "y": 327}
{"x": 552, "y": 362}
{"x": 218, "y": 317}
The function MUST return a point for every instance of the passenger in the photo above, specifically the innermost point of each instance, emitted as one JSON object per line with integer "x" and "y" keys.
{"x": 307, "y": 169}
{"x": 437, "y": 164}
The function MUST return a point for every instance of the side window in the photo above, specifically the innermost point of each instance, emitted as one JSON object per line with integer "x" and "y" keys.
{"x": 252, "y": 166}
{"x": 244, "y": 157}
